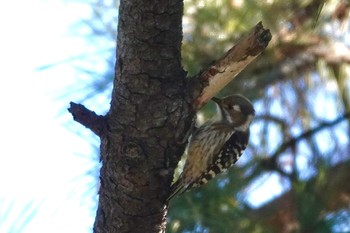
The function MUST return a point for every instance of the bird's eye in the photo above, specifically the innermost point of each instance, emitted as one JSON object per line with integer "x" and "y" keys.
{"x": 229, "y": 107}
{"x": 236, "y": 108}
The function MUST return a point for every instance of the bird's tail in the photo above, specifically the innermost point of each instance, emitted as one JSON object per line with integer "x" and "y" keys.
{"x": 176, "y": 188}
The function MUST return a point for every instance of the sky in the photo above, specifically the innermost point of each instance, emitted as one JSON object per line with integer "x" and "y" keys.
{"x": 42, "y": 163}
{"x": 47, "y": 179}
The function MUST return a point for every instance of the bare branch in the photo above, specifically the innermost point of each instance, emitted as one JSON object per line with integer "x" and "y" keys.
{"x": 88, "y": 118}
{"x": 223, "y": 71}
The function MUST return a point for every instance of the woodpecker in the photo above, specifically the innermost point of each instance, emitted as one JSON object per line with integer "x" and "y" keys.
{"x": 217, "y": 144}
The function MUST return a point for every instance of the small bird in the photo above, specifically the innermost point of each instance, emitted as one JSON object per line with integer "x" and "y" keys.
{"x": 217, "y": 144}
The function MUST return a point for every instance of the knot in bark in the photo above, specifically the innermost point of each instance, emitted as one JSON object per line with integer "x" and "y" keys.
{"x": 133, "y": 151}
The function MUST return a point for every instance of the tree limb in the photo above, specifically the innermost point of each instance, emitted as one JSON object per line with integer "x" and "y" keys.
{"x": 223, "y": 71}
{"x": 307, "y": 134}
{"x": 88, "y": 118}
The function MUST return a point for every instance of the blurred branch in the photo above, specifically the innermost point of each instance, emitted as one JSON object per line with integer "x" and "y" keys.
{"x": 88, "y": 118}
{"x": 331, "y": 52}
{"x": 342, "y": 10}
{"x": 223, "y": 71}
{"x": 268, "y": 71}
{"x": 302, "y": 14}
{"x": 308, "y": 133}
{"x": 280, "y": 215}
{"x": 271, "y": 163}
{"x": 277, "y": 120}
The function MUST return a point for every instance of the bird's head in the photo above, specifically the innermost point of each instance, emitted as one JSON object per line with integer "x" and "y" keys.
{"x": 235, "y": 110}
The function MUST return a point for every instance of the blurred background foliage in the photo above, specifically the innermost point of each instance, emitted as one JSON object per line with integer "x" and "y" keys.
{"x": 294, "y": 177}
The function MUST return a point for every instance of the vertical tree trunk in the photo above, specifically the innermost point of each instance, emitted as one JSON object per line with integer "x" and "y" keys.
{"x": 149, "y": 115}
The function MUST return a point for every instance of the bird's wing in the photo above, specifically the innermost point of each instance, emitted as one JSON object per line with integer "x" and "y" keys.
{"x": 224, "y": 159}
{"x": 227, "y": 156}
{"x": 176, "y": 188}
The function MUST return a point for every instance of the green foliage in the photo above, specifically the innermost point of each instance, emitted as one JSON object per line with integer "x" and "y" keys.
{"x": 215, "y": 207}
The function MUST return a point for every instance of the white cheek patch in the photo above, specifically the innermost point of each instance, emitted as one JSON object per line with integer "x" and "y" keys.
{"x": 245, "y": 126}
{"x": 237, "y": 108}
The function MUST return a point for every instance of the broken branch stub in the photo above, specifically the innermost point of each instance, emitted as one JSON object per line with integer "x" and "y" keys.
{"x": 217, "y": 76}
{"x": 88, "y": 118}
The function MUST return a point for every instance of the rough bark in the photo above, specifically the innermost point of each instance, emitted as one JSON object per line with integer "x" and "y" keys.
{"x": 149, "y": 115}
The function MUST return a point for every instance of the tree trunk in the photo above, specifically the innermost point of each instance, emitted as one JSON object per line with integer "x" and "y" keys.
{"x": 149, "y": 115}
